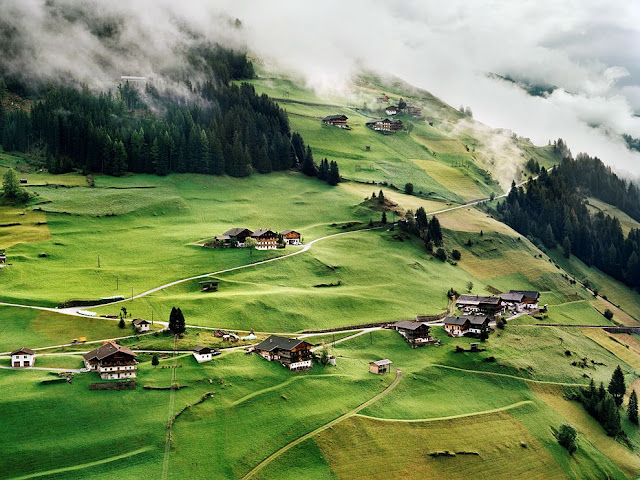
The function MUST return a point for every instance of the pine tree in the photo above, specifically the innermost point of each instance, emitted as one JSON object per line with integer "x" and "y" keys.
{"x": 632, "y": 408}
{"x": 384, "y": 217}
{"x": 308, "y": 166}
{"x": 616, "y": 386}
{"x": 323, "y": 169}
{"x": 155, "y": 360}
{"x": 176, "y": 321}
{"x": 334, "y": 174}
{"x": 121, "y": 323}
{"x": 435, "y": 232}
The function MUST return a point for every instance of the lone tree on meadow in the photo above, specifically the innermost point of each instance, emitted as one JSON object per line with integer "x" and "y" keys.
{"x": 616, "y": 386}
{"x": 251, "y": 244}
{"x": 469, "y": 286}
{"x": 408, "y": 188}
{"x": 176, "y": 321}
{"x": 384, "y": 217}
{"x": 155, "y": 361}
{"x": 567, "y": 437}
{"x": 632, "y": 409}
{"x": 608, "y": 314}
{"x": 11, "y": 187}
{"x": 121, "y": 323}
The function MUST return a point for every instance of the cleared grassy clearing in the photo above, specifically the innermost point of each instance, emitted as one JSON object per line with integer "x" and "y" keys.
{"x": 626, "y": 221}
{"x": 453, "y": 179}
{"x": 366, "y": 448}
{"x": 156, "y": 248}
{"x": 281, "y": 297}
{"x": 19, "y": 225}
{"x": 34, "y": 328}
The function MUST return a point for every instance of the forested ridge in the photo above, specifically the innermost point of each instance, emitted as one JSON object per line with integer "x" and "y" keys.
{"x": 552, "y": 210}
{"x": 219, "y": 128}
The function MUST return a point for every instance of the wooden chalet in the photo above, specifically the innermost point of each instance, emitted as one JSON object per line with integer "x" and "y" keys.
{"x": 112, "y": 361}
{"x": 339, "y": 121}
{"x": 235, "y": 237}
{"x": 383, "y": 99}
{"x": 512, "y": 301}
{"x": 290, "y": 352}
{"x": 23, "y": 357}
{"x": 529, "y": 298}
{"x": 385, "y": 125}
{"x": 291, "y": 237}
{"x": 415, "y": 333}
{"x": 141, "y": 325}
{"x": 267, "y": 239}
{"x": 392, "y": 110}
{"x": 380, "y": 366}
{"x": 456, "y": 326}
{"x": 3, "y": 257}
{"x": 478, "y": 324}
{"x": 210, "y": 285}
{"x": 202, "y": 354}
{"x": 486, "y": 305}
{"x": 413, "y": 110}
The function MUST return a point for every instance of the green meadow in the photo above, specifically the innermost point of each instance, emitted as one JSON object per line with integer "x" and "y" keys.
{"x": 86, "y": 238}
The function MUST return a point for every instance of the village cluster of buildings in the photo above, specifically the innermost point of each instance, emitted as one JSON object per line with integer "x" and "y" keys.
{"x": 266, "y": 239}
{"x": 515, "y": 301}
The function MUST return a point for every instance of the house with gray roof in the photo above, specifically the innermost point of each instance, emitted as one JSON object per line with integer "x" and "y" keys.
{"x": 293, "y": 353}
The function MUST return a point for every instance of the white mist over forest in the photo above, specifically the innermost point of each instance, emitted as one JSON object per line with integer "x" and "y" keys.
{"x": 589, "y": 50}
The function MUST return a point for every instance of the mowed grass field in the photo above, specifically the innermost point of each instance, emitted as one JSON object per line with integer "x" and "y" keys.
{"x": 496, "y": 408}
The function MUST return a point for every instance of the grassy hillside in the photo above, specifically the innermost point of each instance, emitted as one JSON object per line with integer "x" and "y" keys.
{"x": 497, "y": 409}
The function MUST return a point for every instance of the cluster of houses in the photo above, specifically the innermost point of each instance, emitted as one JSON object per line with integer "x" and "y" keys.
{"x": 385, "y": 125}
{"x": 266, "y": 239}
{"x": 515, "y": 301}
{"x": 339, "y": 121}
{"x": 3, "y": 257}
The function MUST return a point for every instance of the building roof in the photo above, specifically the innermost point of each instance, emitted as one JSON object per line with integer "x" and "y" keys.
{"x": 476, "y": 320}
{"x": 328, "y": 118}
{"x": 284, "y": 232}
{"x": 275, "y": 342}
{"x": 512, "y": 296}
{"x": 391, "y": 107}
{"x": 106, "y": 350}
{"x": 382, "y": 362}
{"x": 409, "y": 324}
{"x": 141, "y": 321}
{"x": 261, "y": 231}
{"x": 201, "y": 350}
{"x": 477, "y": 299}
{"x": 234, "y": 232}
{"x": 223, "y": 237}
{"x": 23, "y": 350}
{"x": 460, "y": 321}
{"x": 527, "y": 293}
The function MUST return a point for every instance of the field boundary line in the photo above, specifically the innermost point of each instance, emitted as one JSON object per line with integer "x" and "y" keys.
{"x": 450, "y": 417}
{"x": 330, "y": 424}
{"x": 506, "y": 375}
{"x": 84, "y": 465}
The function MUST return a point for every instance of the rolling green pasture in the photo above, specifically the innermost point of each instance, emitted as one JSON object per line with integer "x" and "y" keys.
{"x": 24, "y": 327}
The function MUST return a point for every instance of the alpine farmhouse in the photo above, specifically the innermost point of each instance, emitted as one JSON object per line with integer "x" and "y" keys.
{"x": 112, "y": 361}
{"x": 23, "y": 357}
{"x": 290, "y": 352}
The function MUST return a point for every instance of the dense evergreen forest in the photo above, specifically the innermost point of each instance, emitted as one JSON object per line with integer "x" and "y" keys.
{"x": 552, "y": 210}
{"x": 218, "y": 128}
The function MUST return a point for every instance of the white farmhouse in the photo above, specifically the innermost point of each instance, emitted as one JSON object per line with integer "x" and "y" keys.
{"x": 141, "y": 325}
{"x": 23, "y": 357}
{"x": 202, "y": 354}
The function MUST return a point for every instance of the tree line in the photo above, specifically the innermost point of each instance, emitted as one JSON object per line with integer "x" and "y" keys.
{"x": 224, "y": 129}
{"x": 552, "y": 211}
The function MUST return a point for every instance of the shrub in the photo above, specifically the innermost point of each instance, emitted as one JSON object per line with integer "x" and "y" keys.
{"x": 608, "y": 314}
{"x": 441, "y": 254}
{"x": 408, "y": 188}
{"x": 456, "y": 255}
{"x": 567, "y": 437}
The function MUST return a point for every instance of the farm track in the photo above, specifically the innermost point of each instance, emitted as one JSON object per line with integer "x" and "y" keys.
{"x": 84, "y": 465}
{"x": 74, "y": 310}
{"x": 506, "y": 375}
{"x": 330, "y": 424}
{"x": 451, "y": 417}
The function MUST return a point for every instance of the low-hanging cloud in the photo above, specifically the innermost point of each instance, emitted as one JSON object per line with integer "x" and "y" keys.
{"x": 589, "y": 50}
